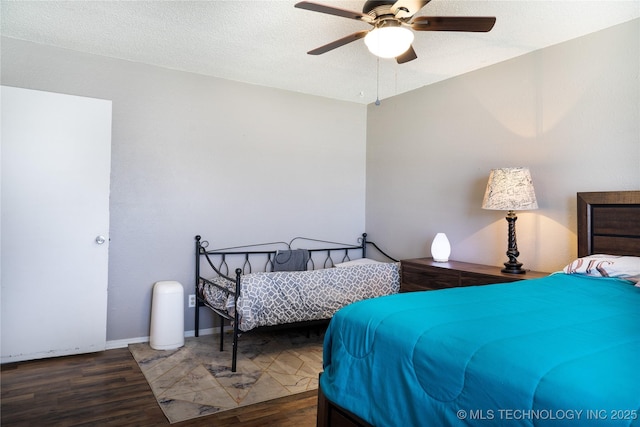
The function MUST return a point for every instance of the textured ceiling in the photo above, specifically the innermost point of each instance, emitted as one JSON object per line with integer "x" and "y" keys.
{"x": 265, "y": 42}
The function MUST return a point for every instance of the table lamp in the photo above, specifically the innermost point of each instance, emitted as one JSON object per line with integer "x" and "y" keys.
{"x": 510, "y": 189}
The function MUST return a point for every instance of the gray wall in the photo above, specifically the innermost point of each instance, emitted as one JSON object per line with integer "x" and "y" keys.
{"x": 570, "y": 113}
{"x": 191, "y": 155}
{"x": 240, "y": 163}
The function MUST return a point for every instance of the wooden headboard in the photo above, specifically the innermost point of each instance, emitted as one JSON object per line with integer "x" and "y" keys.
{"x": 609, "y": 223}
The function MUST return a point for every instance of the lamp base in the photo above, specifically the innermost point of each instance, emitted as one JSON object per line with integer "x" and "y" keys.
{"x": 513, "y": 268}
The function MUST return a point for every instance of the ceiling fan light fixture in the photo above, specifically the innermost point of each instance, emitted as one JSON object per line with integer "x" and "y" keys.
{"x": 389, "y": 41}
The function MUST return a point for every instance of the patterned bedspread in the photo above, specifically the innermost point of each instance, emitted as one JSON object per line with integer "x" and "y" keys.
{"x": 285, "y": 297}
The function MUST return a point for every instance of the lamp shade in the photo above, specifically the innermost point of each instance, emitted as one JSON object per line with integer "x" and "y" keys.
{"x": 510, "y": 189}
{"x": 389, "y": 42}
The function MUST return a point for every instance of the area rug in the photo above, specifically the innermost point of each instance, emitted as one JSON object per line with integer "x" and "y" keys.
{"x": 196, "y": 379}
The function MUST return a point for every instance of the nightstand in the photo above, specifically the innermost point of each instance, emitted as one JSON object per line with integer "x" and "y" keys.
{"x": 424, "y": 274}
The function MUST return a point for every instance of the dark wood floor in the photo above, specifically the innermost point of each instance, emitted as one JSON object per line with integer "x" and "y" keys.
{"x": 108, "y": 389}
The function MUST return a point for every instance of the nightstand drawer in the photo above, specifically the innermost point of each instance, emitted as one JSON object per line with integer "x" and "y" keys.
{"x": 419, "y": 279}
{"x": 425, "y": 274}
{"x": 473, "y": 279}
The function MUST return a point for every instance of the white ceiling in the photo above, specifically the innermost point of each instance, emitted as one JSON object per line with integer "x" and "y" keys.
{"x": 265, "y": 42}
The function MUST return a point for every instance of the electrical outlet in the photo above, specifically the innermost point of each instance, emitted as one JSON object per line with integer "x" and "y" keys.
{"x": 192, "y": 301}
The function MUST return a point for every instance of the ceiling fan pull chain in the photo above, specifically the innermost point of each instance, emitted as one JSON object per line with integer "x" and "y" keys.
{"x": 396, "y": 78}
{"x": 378, "y": 82}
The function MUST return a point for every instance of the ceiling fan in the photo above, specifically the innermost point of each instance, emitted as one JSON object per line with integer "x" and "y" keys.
{"x": 391, "y": 20}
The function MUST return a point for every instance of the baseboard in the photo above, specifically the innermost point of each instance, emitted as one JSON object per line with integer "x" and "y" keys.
{"x": 187, "y": 334}
{"x": 110, "y": 345}
{"x": 24, "y": 357}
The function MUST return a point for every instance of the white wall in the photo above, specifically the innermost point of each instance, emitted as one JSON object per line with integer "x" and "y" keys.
{"x": 570, "y": 112}
{"x": 191, "y": 155}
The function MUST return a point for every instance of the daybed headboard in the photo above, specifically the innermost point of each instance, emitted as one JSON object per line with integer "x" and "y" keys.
{"x": 245, "y": 256}
{"x": 609, "y": 223}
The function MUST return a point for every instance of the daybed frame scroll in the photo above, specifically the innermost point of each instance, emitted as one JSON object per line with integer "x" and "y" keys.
{"x": 249, "y": 252}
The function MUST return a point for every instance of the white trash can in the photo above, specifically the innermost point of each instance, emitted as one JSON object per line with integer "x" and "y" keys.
{"x": 167, "y": 316}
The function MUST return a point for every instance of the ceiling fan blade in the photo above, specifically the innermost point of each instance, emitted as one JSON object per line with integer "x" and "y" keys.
{"x": 409, "y": 55}
{"x": 407, "y": 8}
{"x": 337, "y": 43}
{"x": 316, "y": 7}
{"x": 480, "y": 24}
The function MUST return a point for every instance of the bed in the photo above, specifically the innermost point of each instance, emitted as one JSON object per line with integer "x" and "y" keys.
{"x": 559, "y": 350}
{"x": 281, "y": 284}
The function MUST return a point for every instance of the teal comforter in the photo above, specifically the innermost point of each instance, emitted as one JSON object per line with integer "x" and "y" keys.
{"x": 558, "y": 351}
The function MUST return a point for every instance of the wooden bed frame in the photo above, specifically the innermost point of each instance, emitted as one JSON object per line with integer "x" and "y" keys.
{"x": 245, "y": 256}
{"x": 608, "y": 223}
